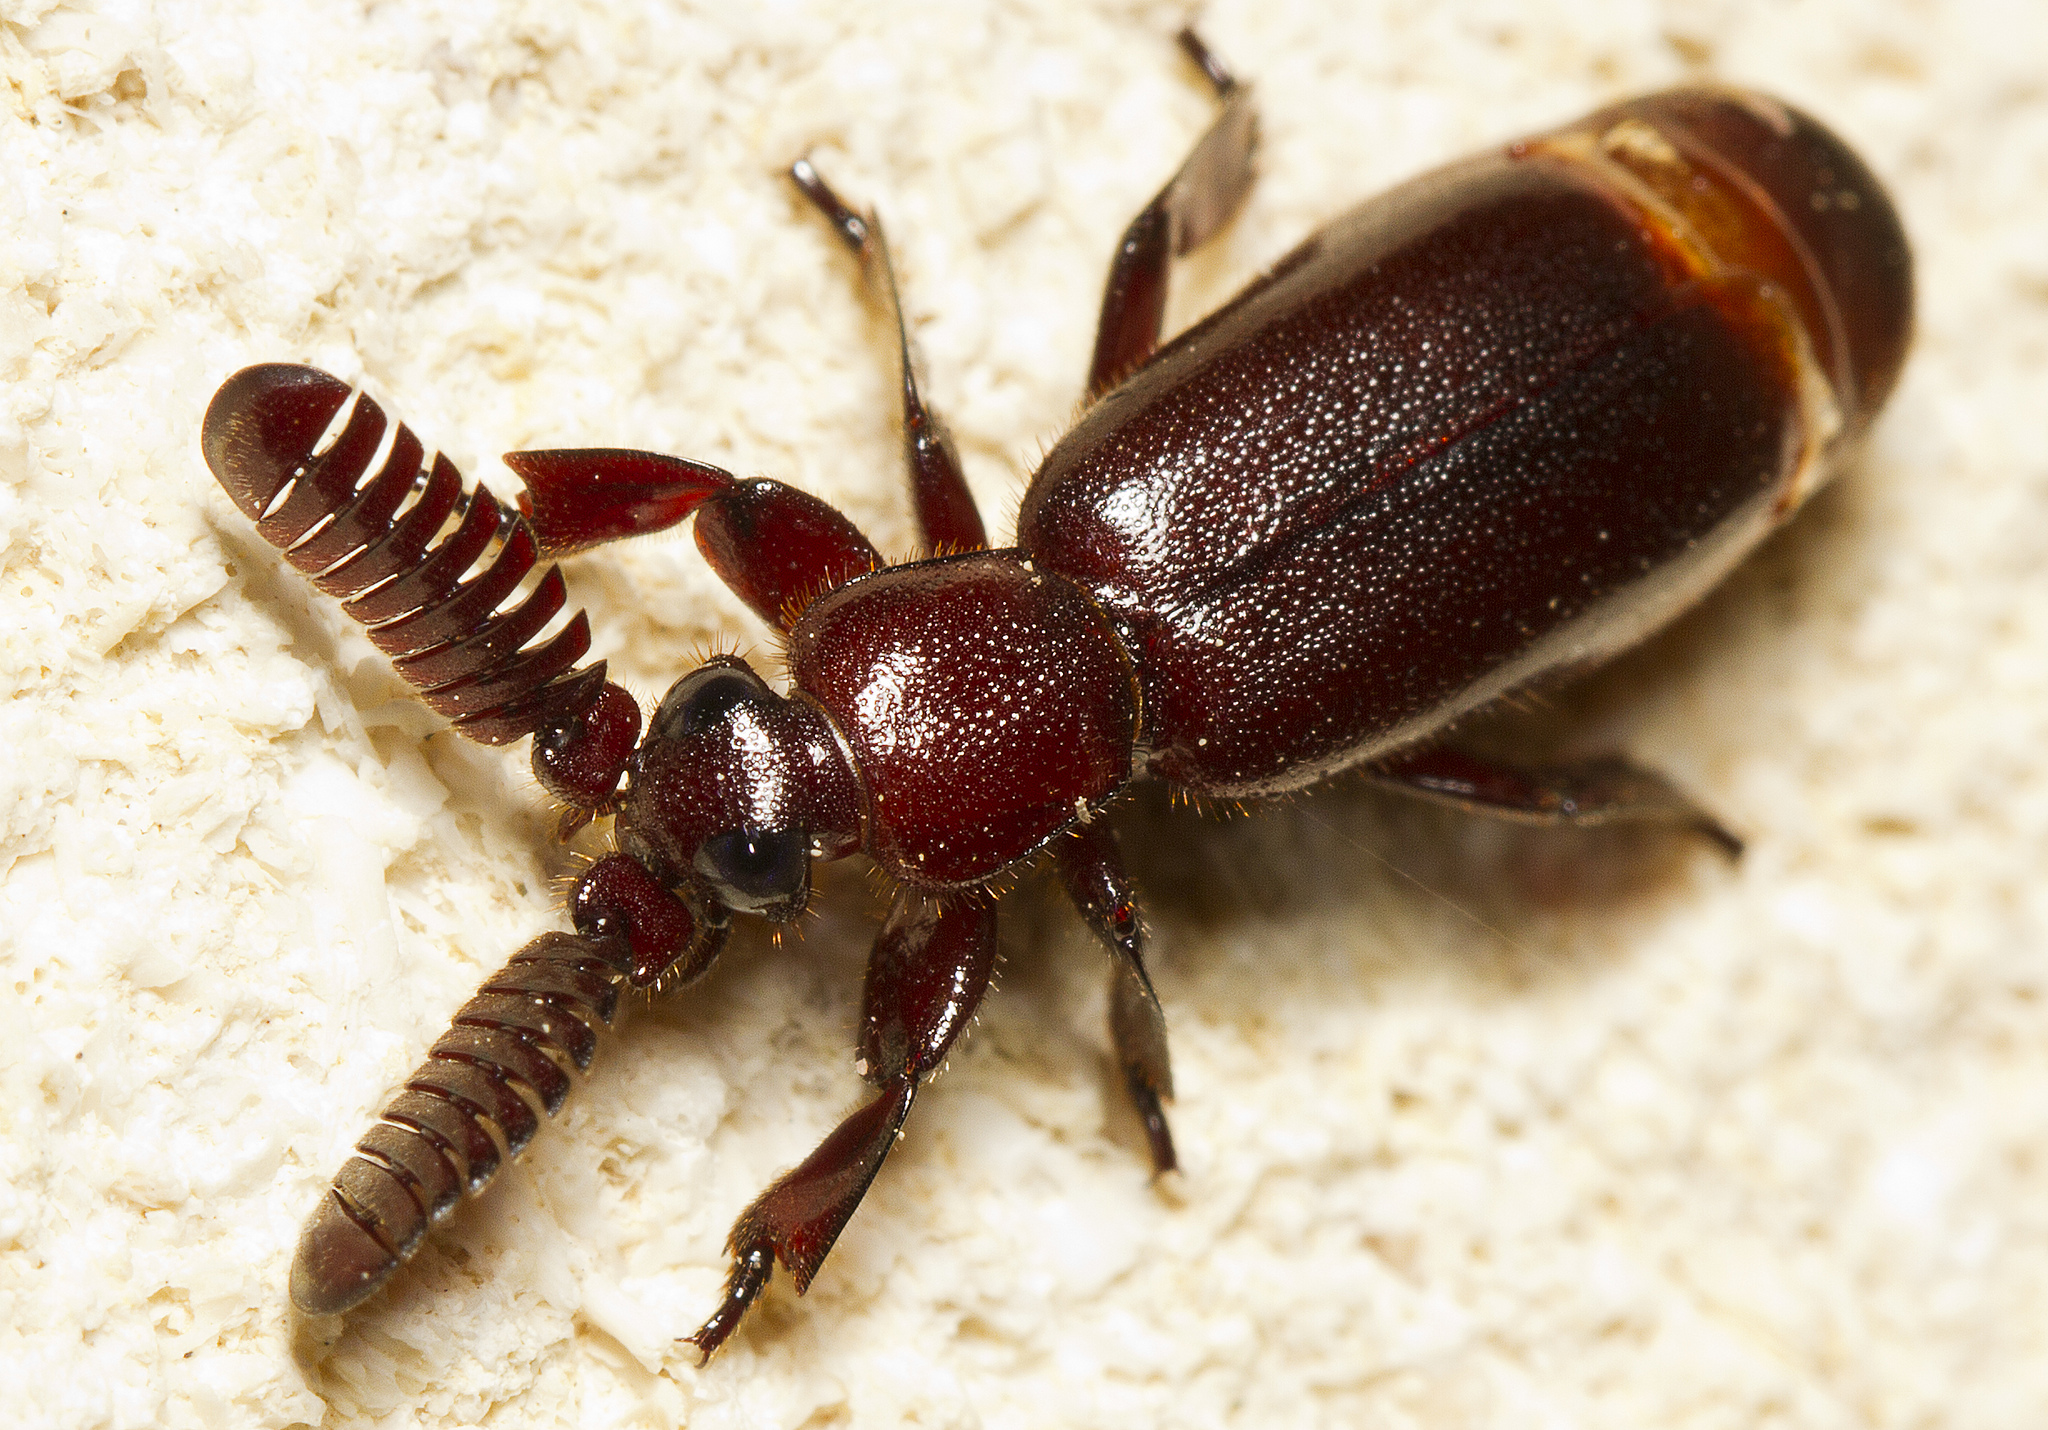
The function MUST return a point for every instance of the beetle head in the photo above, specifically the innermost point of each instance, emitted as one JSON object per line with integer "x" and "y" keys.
{"x": 734, "y": 790}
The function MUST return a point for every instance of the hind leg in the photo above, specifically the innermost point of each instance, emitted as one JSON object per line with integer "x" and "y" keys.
{"x": 1604, "y": 790}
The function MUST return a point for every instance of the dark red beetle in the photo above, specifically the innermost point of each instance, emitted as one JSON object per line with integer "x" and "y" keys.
{"x": 1481, "y": 432}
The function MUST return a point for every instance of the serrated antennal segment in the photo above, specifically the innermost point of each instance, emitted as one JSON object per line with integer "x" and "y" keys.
{"x": 477, "y": 1100}
{"x": 430, "y": 567}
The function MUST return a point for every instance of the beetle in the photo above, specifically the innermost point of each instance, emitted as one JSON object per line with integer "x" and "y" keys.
{"x": 1478, "y": 434}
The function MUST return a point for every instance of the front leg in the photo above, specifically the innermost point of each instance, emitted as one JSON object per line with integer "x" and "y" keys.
{"x": 433, "y": 568}
{"x": 776, "y": 547}
{"x": 929, "y": 970}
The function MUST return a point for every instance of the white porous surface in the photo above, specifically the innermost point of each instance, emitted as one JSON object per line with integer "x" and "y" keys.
{"x": 1481, "y": 1126}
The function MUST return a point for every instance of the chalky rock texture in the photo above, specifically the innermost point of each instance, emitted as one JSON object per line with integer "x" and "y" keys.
{"x": 1570, "y": 1134}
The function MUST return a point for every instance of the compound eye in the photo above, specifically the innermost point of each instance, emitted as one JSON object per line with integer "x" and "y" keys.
{"x": 754, "y": 870}
{"x": 702, "y": 699}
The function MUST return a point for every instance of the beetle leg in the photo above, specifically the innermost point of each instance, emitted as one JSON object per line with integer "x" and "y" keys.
{"x": 581, "y": 497}
{"x": 1195, "y": 203}
{"x": 945, "y": 507}
{"x": 930, "y": 967}
{"x": 668, "y": 943}
{"x": 1605, "y": 790}
{"x": 779, "y": 549}
{"x": 1092, "y": 869}
{"x": 776, "y": 547}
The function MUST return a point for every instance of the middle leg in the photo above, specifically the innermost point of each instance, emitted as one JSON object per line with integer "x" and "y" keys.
{"x": 945, "y": 507}
{"x": 1092, "y": 869}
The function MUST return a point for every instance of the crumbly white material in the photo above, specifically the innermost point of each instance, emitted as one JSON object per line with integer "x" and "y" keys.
{"x": 1524, "y": 1141}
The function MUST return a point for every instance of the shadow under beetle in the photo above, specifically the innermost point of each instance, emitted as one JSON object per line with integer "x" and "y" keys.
{"x": 1483, "y": 431}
